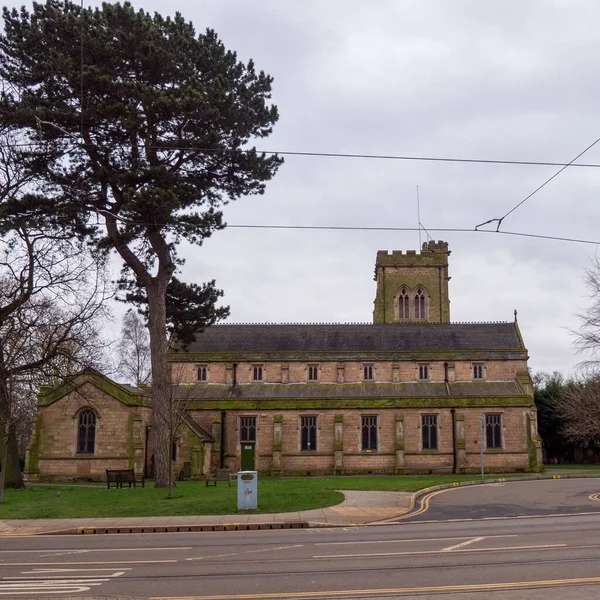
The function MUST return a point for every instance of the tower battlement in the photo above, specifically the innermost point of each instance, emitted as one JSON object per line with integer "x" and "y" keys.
{"x": 412, "y": 286}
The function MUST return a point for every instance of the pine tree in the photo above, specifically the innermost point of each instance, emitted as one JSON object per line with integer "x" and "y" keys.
{"x": 142, "y": 123}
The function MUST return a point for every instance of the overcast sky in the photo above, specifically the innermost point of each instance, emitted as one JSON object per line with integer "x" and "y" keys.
{"x": 469, "y": 79}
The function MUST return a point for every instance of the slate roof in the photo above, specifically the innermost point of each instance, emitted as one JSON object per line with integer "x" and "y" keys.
{"x": 197, "y": 428}
{"x": 434, "y": 389}
{"x": 336, "y": 337}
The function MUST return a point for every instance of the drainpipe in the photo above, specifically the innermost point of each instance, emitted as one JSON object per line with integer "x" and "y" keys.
{"x": 222, "y": 452}
{"x": 453, "y": 413}
{"x": 146, "y": 452}
{"x": 223, "y": 419}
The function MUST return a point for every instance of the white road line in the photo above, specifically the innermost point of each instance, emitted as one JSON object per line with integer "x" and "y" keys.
{"x": 245, "y": 552}
{"x": 166, "y": 548}
{"x": 463, "y": 544}
{"x": 64, "y": 589}
{"x": 91, "y": 562}
{"x": 63, "y": 576}
{"x": 511, "y": 548}
{"x": 69, "y": 570}
{"x": 462, "y": 537}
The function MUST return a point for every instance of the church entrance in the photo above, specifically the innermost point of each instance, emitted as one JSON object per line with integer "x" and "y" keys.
{"x": 248, "y": 450}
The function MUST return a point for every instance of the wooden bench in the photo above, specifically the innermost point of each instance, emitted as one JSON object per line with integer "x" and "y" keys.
{"x": 120, "y": 476}
{"x": 220, "y": 475}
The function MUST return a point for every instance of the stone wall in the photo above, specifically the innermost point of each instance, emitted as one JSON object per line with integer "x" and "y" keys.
{"x": 334, "y": 371}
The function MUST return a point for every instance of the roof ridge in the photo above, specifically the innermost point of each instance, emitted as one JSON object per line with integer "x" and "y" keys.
{"x": 350, "y": 323}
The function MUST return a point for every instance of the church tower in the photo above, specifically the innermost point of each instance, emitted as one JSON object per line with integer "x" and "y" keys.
{"x": 413, "y": 287}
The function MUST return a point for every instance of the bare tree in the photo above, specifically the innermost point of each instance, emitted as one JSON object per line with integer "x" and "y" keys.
{"x": 579, "y": 410}
{"x": 587, "y": 337}
{"x": 52, "y": 295}
{"x": 134, "y": 350}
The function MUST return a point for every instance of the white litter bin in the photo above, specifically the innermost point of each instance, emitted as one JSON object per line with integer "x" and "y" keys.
{"x": 247, "y": 489}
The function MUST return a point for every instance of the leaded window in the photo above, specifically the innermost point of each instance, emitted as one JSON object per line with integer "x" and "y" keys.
{"x": 368, "y": 372}
{"x": 313, "y": 372}
{"x": 420, "y": 304}
{"x": 257, "y": 372}
{"x": 202, "y": 373}
{"x": 86, "y": 433}
{"x": 308, "y": 432}
{"x": 493, "y": 431}
{"x": 369, "y": 432}
{"x": 423, "y": 371}
{"x": 403, "y": 304}
{"x": 429, "y": 432}
{"x": 477, "y": 371}
{"x": 247, "y": 429}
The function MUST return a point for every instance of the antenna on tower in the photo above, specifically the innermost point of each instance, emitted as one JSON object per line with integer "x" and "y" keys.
{"x": 419, "y": 220}
{"x": 419, "y": 216}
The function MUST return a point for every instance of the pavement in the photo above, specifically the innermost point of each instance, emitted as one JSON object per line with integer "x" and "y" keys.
{"x": 358, "y": 508}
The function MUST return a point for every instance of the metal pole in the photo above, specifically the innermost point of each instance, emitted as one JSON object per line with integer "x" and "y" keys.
{"x": 481, "y": 444}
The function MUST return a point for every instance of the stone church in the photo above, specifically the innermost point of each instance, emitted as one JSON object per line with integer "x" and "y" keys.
{"x": 409, "y": 393}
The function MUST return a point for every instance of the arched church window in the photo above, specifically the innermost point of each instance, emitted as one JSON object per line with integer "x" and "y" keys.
{"x": 403, "y": 304}
{"x": 420, "y": 304}
{"x": 86, "y": 433}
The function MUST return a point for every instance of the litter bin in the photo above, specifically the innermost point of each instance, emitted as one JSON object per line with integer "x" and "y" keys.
{"x": 247, "y": 489}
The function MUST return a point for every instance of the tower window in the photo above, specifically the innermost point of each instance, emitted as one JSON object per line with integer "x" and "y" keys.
{"x": 313, "y": 372}
{"x": 368, "y": 372}
{"x": 477, "y": 371}
{"x": 257, "y": 373}
{"x": 403, "y": 304}
{"x": 420, "y": 304}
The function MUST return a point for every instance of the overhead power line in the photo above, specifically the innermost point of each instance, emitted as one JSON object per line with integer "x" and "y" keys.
{"x": 436, "y": 229}
{"x": 499, "y": 220}
{"x": 398, "y": 157}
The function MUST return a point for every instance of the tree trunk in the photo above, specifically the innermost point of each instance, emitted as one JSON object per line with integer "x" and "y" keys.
{"x": 14, "y": 476}
{"x": 9, "y": 445}
{"x": 161, "y": 396}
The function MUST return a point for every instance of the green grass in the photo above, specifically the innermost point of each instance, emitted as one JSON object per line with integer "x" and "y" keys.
{"x": 194, "y": 498}
{"x": 573, "y": 467}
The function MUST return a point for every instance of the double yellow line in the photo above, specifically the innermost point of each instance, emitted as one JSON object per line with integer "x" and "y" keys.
{"x": 511, "y": 585}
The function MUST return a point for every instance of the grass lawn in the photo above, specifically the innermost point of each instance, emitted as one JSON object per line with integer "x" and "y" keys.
{"x": 194, "y": 498}
{"x": 572, "y": 467}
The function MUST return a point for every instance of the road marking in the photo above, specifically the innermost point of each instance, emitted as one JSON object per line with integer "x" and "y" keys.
{"x": 463, "y": 544}
{"x": 245, "y": 552}
{"x": 419, "y": 552}
{"x": 70, "y": 570}
{"x": 43, "y": 583}
{"x": 96, "y": 549}
{"x": 406, "y": 590}
{"x": 92, "y": 562}
{"x": 595, "y": 497}
{"x": 441, "y": 539}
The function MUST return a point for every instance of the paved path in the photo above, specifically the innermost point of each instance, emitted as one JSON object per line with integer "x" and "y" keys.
{"x": 358, "y": 508}
{"x": 511, "y": 499}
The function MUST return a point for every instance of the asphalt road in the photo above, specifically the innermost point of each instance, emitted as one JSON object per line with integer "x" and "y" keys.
{"x": 512, "y": 499}
{"x": 516, "y": 558}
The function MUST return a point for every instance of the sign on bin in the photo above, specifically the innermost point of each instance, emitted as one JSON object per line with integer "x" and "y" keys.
{"x": 247, "y": 489}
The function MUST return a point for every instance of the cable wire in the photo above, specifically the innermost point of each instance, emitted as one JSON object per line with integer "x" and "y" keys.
{"x": 499, "y": 220}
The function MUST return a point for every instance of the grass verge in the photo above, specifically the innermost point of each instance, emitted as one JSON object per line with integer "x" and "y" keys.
{"x": 194, "y": 498}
